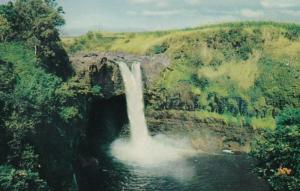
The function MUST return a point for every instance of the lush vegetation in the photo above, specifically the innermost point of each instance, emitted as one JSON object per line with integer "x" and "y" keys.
{"x": 40, "y": 113}
{"x": 36, "y": 23}
{"x": 43, "y": 108}
{"x": 278, "y": 152}
{"x": 40, "y": 122}
{"x": 207, "y": 63}
{"x": 35, "y": 118}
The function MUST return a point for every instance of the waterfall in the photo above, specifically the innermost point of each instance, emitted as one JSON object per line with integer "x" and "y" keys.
{"x": 140, "y": 148}
{"x": 135, "y": 102}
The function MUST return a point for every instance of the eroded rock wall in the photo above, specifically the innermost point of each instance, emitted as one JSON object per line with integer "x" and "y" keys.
{"x": 102, "y": 69}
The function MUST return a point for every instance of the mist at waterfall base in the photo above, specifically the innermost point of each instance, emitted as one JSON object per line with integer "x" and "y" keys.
{"x": 140, "y": 149}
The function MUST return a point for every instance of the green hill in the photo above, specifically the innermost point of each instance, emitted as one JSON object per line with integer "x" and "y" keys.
{"x": 249, "y": 69}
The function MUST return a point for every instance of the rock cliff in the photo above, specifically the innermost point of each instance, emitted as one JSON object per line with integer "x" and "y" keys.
{"x": 102, "y": 69}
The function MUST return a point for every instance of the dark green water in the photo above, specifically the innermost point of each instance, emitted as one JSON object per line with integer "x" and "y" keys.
{"x": 200, "y": 173}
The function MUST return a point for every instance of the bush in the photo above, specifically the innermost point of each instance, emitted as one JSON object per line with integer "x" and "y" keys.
{"x": 20, "y": 180}
{"x": 235, "y": 42}
{"x": 276, "y": 82}
{"x": 260, "y": 123}
{"x": 96, "y": 90}
{"x": 69, "y": 113}
{"x": 293, "y": 32}
{"x": 278, "y": 152}
{"x": 160, "y": 48}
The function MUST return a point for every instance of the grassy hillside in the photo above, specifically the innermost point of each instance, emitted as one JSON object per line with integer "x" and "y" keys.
{"x": 242, "y": 69}
{"x": 144, "y": 42}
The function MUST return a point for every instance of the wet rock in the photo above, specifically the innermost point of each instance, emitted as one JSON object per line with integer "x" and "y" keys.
{"x": 103, "y": 69}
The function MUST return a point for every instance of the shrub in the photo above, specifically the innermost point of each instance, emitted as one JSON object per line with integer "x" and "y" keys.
{"x": 259, "y": 123}
{"x": 235, "y": 42}
{"x": 276, "y": 82}
{"x": 96, "y": 90}
{"x": 20, "y": 180}
{"x": 160, "y": 48}
{"x": 293, "y": 32}
{"x": 278, "y": 152}
{"x": 69, "y": 113}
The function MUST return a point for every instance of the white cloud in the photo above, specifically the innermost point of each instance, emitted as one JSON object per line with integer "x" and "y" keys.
{"x": 161, "y": 13}
{"x": 131, "y": 13}
{"x": 152, "y": 13}
{"x": 159, "y": 3}
{"x": 252, "y": 13}
{"x": 279, "y": 3}
{"x": 3, "y": 1}
{"x": 193, "y": 2}
{"x": 142, "y": 1}
{"x": 291, "y": 13}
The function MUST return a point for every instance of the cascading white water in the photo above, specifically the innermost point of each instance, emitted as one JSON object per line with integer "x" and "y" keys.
{"x": 141, "y": 148}
{"x": 135, "y": 102}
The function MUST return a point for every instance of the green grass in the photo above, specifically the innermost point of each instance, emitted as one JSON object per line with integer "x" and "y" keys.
{"x": 141, "y": 42}
{"x": 262, "y": 123}
{"x": 233, "y": 71}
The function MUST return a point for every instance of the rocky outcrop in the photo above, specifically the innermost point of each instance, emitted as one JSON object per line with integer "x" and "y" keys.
{"x": 102, "y": 69}
{"x": 208, "y": 134}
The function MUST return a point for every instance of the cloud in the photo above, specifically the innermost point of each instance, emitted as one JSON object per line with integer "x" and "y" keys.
{"x": 152, "y": 13}
{"x": 3, "y": 1}
{"x": 161, "y": 13}
{"x": 159, "y": 3}
{"x": 252, "y": 13}
{"x": 269, "y": 4}
{"x": 193, "y": 2}
{"x": 131, "y": 13}
{"x": 292, "y": 13}
{"x": 142, "y": 1}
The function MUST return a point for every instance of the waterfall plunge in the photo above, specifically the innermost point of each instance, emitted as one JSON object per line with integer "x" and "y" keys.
{"x": 140, "y": 148}
{"x": 135, "y": 102}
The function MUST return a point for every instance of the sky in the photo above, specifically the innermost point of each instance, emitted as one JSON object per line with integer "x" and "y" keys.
{"x": 145, "y": 15}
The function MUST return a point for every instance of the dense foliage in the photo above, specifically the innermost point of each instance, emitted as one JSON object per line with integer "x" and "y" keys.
{"x": 278, "y": 152}
{"x": 206, "y": 69}
{"x": 39, "y": 113}
{"x": 36, "y": 22}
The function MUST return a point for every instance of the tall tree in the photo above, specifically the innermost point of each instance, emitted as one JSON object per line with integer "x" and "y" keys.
{"x": 37, "y": 23}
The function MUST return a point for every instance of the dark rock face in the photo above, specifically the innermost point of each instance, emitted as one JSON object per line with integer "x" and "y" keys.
{"x": 107, "y": 75}
{"x": 206, "y": 134}
{"x": 103, "y": 70}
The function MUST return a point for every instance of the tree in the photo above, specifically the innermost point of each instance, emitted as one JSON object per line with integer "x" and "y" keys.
{"x": 5, "y": 29}
{"x": 8, "y": 12}
{"x": 40, "y": 20}
{"x": 12, "y": 179}
{"x": 37, "y": 23}
{"x": 7, "y": 82}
